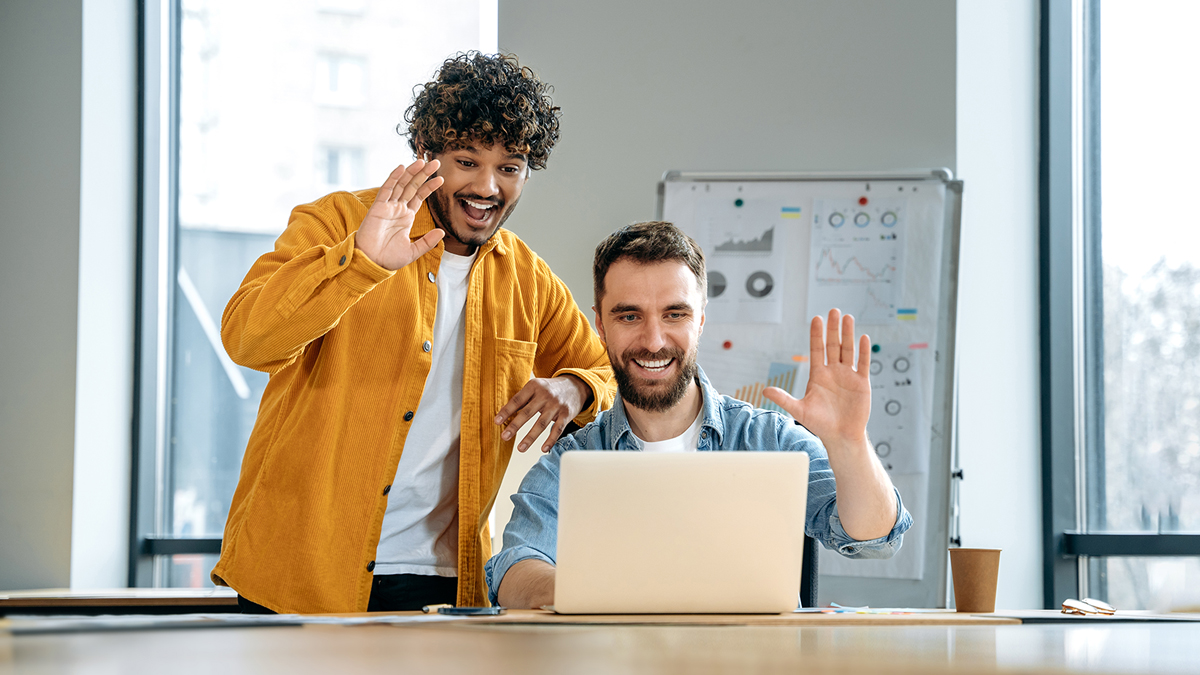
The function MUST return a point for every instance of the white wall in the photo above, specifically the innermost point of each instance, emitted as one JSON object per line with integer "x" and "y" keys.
{"x": 999, "y": 441}
{"x": 67, "y": 209}
{"x": 107, "y": 243}
{"x": 779, "y": 85}
{"x": 40, "y": 75}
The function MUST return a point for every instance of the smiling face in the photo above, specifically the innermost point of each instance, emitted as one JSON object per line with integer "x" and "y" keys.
{"x": 650, "y": 318}
{"x": 481, "y": 189}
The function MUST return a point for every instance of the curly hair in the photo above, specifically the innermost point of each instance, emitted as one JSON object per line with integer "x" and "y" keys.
{"x": 483, "y": 98}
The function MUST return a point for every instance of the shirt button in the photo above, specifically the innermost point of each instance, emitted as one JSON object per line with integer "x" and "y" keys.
{"x": 408, "y": 416}
{"x": 432, "y": 278}
{"x": 427, "y": 346}
{"x": 371, "y": 566}
{"x": 387, "y": 489}
{"x": 342, "y": 261}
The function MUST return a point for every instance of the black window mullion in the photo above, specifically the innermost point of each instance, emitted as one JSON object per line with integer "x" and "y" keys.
{"x": 1056, "y": 307}
{"x": 154, "y": 300}
{"x": 1139, "y": 544}
{"x": 155, "y": 546}
{"x": 1094, "y": 470}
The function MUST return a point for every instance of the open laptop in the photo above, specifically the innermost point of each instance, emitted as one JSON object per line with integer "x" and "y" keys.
{"x": 680, "y": 533}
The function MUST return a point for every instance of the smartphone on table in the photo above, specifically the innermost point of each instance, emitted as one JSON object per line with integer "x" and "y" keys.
{"x": 471, "y": 611}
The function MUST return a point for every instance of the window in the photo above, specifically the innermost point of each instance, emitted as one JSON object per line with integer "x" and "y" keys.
{"x": 1121, "y": 303}
{"x": 352, "y": 7}
{"x": 340, "y": 168}
{"x": 248, "y": 110}
{"x": 341, "y": 80}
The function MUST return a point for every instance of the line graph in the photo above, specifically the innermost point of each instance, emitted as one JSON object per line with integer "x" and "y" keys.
{"x": 858, "y": 270}
{"x": 854, "y": 269}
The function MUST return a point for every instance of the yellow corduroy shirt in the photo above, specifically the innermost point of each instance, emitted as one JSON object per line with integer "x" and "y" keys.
{"x": 342, "y": 339}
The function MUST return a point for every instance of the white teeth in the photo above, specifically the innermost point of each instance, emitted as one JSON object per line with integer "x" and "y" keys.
{"x": 479, "y": 205}
{"x": 653, "y": 365}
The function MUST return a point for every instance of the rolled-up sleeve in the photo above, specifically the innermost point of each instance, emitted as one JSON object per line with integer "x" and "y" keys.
{"x": 532, "y": 532}
{"x": 883, "y": 547}
{"x": 823, "y": 522}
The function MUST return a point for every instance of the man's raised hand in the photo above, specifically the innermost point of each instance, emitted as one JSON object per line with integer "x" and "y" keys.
{"x": 383, "y": 235}
{"x": 837, "y": 401}
{"x": 835, "y": 407}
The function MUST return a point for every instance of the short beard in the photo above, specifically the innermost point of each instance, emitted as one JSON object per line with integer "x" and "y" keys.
{"x": 654, "y": 401}
{"x": 439, "y": 206}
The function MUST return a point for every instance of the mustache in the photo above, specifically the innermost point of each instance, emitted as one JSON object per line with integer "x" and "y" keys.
{"x": 660, "y": 355}
{"x": 496, "y": 201}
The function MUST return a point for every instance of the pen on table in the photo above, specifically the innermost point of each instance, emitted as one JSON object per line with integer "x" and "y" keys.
{"x": 429, "y": 609}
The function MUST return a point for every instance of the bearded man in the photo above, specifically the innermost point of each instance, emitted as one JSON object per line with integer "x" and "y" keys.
{"x": 400, "y": 326}
{"x": 650, "y": 290}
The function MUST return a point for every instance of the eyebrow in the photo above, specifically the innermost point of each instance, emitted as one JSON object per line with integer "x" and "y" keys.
{"x": 621, "y": 309}
{"x": 513, "y": 155}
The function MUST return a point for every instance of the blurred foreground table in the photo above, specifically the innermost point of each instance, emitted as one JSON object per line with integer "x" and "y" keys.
{"x": 532, "y": 642}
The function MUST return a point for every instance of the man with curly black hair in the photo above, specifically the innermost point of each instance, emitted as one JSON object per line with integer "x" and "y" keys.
{"x": 400, "y": 327}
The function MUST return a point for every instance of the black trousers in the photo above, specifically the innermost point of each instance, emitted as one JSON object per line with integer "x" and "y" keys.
{"x": 393, "y": 593}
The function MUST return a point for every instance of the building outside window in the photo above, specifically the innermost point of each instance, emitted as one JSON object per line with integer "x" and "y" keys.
{"x": 1150, "y": 250}
{"x": 341, "y": 80}
{"x": 251, "y": 109}
{"x": 1121, "y": 303}
{"x": 340, "y": 168}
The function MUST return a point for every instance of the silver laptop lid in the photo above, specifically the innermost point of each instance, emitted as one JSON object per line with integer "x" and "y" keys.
{"x": 703, "y": 532}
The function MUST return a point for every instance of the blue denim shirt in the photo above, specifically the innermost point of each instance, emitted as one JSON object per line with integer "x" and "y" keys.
{"x": 729, "y": 425}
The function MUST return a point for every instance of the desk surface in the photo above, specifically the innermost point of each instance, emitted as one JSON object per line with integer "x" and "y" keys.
{"x": 830, "y": 644}
{"x": 118, "y": 601}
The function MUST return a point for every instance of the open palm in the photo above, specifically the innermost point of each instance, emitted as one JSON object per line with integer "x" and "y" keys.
{"x": 384, "y": 233}
{"x": 837, "y": 401}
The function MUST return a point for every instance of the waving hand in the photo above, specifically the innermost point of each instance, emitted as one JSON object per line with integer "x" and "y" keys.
{"x": 837, "y": 401}
{"x": 383, "y": 235}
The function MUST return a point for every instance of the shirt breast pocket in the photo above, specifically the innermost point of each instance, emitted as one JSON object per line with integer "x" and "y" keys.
{"x": 514, "y": 367}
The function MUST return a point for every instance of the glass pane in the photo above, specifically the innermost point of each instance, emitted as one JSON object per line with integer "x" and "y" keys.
{"x": 1149, "y": 139}
{"x": 188, "y": 570}
{"x": 279, "y": 104}
{"x": 1145, "y": 583}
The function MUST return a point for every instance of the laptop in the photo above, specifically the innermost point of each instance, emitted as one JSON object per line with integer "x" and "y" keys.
{"x": 680, "y": 533}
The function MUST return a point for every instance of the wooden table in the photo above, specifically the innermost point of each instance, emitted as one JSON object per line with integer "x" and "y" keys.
{"x": 118, "y": 601}
{"x": 526, "y": 643}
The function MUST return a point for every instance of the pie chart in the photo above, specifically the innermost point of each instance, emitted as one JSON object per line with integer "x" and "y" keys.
{"x": 759, "y": 284}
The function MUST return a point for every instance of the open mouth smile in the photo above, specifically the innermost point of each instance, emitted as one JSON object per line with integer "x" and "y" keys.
{"x": 478, "y": 213}
{"x": 654, "y": 366}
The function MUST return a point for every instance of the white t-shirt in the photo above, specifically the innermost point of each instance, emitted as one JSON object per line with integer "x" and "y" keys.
{"x": 420, "y": 527}
{"x": 688, "y": 441}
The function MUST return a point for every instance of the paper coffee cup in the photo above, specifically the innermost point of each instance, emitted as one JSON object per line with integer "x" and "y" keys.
{"x": 975, "y": 571}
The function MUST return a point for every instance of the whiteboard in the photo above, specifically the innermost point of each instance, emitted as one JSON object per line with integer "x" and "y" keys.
{"x": 783, "y": 247}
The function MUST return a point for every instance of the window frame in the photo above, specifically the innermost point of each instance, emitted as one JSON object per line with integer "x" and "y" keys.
{"x": 158, "y": 182}
{"x": 159, "y": 54}
{"x": 1071, "y": 311}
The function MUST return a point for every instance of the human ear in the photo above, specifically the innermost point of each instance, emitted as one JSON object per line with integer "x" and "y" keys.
{"x": 599, "y": 325}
